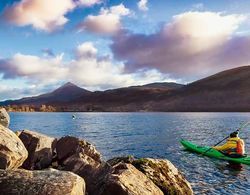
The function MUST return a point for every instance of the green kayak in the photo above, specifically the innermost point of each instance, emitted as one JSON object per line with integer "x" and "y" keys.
{"x": 213, "y": 153}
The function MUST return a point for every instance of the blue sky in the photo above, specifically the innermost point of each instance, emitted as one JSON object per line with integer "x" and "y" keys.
{"x": 103, "y": 44}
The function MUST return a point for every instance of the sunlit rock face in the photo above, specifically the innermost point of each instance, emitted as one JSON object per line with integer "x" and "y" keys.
{"x": 125, "y": 179}
{"x": 160, "y": 171}
{"x": 40, "y": 148}
{"x": 12, "y": 151}
{"x": 4, "y": 118}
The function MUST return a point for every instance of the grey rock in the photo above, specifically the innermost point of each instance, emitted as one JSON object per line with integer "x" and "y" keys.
{"x": 125, "y": 179}
{"x": 165, "y": 175}
{"x": 40, "y": 148}
{"x": 4, "y": 117}
{"x": 49, "y": 181}
{"x": 67, "y": 146}
{"x": 79, "y": 157}
{"x": 12, "y": 151}
{"x": 161, "y": 171}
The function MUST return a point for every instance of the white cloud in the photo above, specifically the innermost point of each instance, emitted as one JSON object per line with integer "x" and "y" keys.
{"x": 119, "y": 10}
{"x": 193, "y": 45}
{"x": 108, "y": 22}
{"x": 46, "y": 15}
{"x": 86, "y": 50}
{"x": 88, "y": 3}
{"x": 101, "y": 24}
{"x": 202, "y": 30}
{"x": 33, "y": 68}
{"x": 142, "y": 5}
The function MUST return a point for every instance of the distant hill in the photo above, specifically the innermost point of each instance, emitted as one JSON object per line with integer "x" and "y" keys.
{"x": 63, "y": 94}
{"x": 225, "y": 91}
{"x": 163, "y": 85}
{"x": 70, "y": 97}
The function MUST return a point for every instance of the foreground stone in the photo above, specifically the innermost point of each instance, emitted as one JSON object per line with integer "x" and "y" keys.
{"x": 165, "y": 175}
{"x": 4, "y": 117}
{"x": 40, "y": 148}
{"x": 125, "y": 179}
{"x": 162, "y": 172}
{"x": 12, "y": 151}
{"x": 67, "y": 146}
{"x": 79, "y": 157}
{"x": 49, "y": 181}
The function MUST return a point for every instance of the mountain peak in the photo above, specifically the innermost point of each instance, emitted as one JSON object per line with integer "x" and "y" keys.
{"x": 69, "y": 87}
{"x": 69, "y": 84}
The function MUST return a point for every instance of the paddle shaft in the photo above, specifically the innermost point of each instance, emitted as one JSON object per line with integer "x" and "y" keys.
{"x": 220, "y": 142}
{"x": 245, "y": 124}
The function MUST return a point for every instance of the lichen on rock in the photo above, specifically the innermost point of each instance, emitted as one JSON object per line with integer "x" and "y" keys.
{"x": 165, "y": 175}
{"x": 162, "y": 172}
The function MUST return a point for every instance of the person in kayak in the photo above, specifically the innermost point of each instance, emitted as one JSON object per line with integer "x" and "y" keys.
{"x": 234, "y": 147}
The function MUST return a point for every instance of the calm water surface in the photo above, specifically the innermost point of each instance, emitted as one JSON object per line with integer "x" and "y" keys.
{"x": 155, "y": 135}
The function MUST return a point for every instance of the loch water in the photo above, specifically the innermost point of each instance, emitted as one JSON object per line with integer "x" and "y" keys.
{"x": 155, "y": 135}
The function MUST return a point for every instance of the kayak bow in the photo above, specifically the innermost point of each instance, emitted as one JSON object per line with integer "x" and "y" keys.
{"x": 213, "y": 153}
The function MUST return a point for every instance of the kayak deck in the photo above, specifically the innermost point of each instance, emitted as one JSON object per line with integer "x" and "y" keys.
{"x": 213, "y": 153}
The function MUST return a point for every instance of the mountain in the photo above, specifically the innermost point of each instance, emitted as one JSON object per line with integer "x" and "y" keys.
{"x": 63, "y": 94}
{"x": 122, "y": 99}
{"x": 70, "y": 97}
{"x": 225, "y": 91}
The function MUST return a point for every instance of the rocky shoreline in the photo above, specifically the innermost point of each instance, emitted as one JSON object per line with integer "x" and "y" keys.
{"x": 33, "y": 163}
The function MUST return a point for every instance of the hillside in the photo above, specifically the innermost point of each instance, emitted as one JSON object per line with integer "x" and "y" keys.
{"x": 70, "y": 97}
{"x": 63, "y": 94}
{"x": 225, "y": 91}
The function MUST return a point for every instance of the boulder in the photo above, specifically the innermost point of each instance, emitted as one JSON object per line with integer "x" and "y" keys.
{"x": 162, "y": 172}
{"x": 84, "y": 166}
{"x": 40, "y": 148}
{"x": 67, "y": 146}
{"x": 125, "y": 179}
{"x": 49, "y": 181}
{"x": 4, "y": 117}
{"x": 79, "y": 157}
{"x": 165, "y": 175}
{"x": 81, "y": 164}
{"x": 12, "y": 151}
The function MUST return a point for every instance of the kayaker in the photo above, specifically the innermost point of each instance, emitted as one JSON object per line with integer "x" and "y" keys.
{"x": 234, "y": 147}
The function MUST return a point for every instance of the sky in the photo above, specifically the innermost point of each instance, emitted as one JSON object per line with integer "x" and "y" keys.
{"x": 105, "y": 44}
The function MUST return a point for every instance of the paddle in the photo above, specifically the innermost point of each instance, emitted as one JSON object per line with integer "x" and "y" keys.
{"x": 241, "y": 127}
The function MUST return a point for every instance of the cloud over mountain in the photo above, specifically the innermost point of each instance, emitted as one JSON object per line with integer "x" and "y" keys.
{"x": 192, "y": 45}
{"x": 87, "y": 69}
